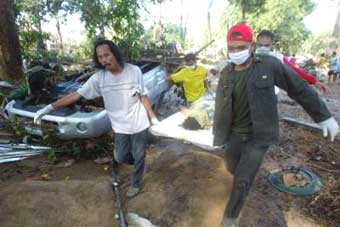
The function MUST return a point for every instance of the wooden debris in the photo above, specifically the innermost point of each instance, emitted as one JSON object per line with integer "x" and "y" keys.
{"x": 323, "y": 168}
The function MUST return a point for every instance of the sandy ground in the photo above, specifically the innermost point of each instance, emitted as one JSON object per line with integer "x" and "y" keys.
{"x": 184, "y": 185}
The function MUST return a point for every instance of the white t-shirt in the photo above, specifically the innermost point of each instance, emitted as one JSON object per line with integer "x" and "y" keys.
{"x": 332, "y": 63}
{"x": 121, "y": 93}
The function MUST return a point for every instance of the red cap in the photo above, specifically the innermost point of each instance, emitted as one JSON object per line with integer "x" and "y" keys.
{"x": 240, "y": 32}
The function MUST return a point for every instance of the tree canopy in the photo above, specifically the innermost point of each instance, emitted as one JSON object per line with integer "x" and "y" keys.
{"x": 113, "y": 19}
{"x": 283, "y": 17}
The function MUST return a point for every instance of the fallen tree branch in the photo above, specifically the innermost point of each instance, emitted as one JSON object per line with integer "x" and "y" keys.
{"x": 323, "y": 168}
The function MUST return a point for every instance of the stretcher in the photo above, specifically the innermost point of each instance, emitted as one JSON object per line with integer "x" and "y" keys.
{"x": 171, "y": 127}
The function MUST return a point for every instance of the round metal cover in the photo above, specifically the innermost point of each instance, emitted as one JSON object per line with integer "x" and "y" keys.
{"x": 313, "y": 186}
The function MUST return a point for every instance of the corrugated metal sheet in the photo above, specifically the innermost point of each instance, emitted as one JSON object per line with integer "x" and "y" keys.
{"x": 14, "y": 152}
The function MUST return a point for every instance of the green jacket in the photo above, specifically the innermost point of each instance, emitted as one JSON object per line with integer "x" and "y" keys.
{"x": 265, "y": 72}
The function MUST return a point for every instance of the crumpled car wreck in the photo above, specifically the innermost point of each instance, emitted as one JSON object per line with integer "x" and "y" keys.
{"x": 85, "y": 119}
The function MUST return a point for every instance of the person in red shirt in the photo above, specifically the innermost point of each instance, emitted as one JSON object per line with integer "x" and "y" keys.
{"x": 292, "y": 59}
{"x": 264, "y": 45}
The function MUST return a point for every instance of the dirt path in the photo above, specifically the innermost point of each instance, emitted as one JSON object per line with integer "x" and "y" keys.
{"x": 184, "y": 185}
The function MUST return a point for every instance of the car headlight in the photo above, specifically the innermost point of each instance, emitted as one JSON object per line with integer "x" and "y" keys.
{"x": 82, "y": 127}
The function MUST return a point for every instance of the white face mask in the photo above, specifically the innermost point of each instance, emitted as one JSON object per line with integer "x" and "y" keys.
{"x": 239, "y": 58}
{"x": 263, "y": 50}
{"x": 192, "y": 67}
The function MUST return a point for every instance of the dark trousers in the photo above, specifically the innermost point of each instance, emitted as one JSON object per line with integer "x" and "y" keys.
{"x": 130, "y": 149}
{"x": 244, "y": 158}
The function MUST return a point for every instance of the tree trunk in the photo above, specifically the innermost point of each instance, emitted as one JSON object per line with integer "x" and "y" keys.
{"x": 181, "y": 25}
{"x": 61, "y": 45}
{"x": 209, "y": 26}
{"x": 209, "y": 19}
{"x": 336, "y": 31}
{"x": 41, "y": 45}
{"x": 102, "y": 30}
{"x": 243, "y": 15}
{"x": 10, "y": 55}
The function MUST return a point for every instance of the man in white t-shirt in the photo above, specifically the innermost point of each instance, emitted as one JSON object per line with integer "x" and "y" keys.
{"x": 125, "y": 99}
{"x": 332, "y": 68}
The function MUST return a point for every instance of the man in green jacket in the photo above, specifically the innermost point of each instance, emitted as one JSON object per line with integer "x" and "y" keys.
{"x": 246, "y": 119}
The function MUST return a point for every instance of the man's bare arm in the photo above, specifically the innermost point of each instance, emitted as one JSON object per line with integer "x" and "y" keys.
{"x": 146, "y": 103}
{"x": 66, "y": 100}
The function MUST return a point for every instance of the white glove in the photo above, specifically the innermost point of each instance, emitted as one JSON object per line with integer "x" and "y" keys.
{"x": 329, "y": 126}
{"x": 154, "y": 121}
{"x": 40, "y": 113}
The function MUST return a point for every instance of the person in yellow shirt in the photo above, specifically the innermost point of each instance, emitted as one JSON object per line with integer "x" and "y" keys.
{"x": 322, "y": 62}
{"x": 193, "y": 77}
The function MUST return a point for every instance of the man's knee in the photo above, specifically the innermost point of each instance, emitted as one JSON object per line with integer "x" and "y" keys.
{"x": 122, "y": 157}
{"x": 257, "y": 154}
{"x": 118, "y": 158}
{"x": 138, "y": 148}
{"x": 138, "y": 154}
{"x": 230, "y": 167}
{"x": 242, "y": 185}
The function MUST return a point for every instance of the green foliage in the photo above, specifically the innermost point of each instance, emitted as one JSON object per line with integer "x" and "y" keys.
{"x": 29, "y": 15}
{"x": 52, "y": 155}
{"x": 248, "y": 6}
{"x": 16, "y": 127}
{"x": 77, "y": 148}
{"x": 231, "y": 15}
{"x": 84, "y": 50}
{"x": 323, "y": 43}
{"x": 283, "y": 17}
{"x": 35, "y": 11}
{"x": 288, "y": 24}
{"x": 114, "y": 18}
{"x": 158, "y": 1}
{"x": 173, "y": 33}
{"x": 28, "y": 43}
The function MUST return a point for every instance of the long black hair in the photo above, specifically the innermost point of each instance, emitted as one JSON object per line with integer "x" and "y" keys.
{"x": 113, "y": 48}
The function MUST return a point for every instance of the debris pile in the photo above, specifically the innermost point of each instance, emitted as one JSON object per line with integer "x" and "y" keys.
{"x": 327, "y": 205}
{"x": 310, "y": 67}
